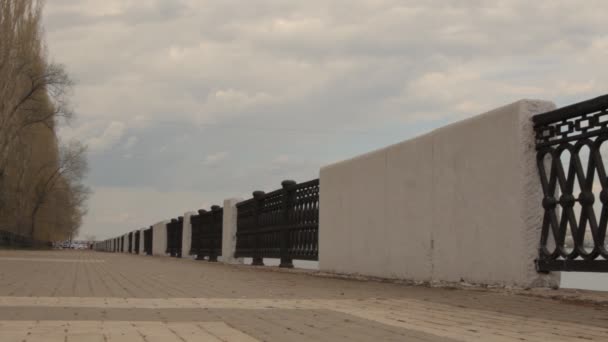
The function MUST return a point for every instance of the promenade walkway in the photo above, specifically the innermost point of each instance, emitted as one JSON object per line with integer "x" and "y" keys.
{"x": 88, "y": 296}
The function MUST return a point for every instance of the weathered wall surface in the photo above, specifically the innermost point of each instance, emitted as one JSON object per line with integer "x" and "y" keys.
{"x": 461, "y": 203}
{"x": 159, "y": 238}
{"x": 229, "y": 231}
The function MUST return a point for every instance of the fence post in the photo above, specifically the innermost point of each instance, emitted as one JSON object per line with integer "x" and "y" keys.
{"x": 179, "y": 238}
{"x": 187, "y": 234}
{"x": 215, "y": 220}
{"x": 150, "y": 248}
{"x": 258, "y": 259}
{"x": 171, "y": 238}
{"x": 142, "y": 240}
{"x": 199, "y": 254}
{"x": 289, "y": 191}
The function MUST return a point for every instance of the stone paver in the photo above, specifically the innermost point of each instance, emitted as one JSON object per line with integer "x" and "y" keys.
{"x": 88, "y": 296}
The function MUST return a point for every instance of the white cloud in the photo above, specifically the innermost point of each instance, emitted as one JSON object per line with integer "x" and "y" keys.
{"x": 108, "y": 138}
{"x": 279, "y": 83}
{"x": 216, "y": 158}
{"x": 130, "y": 143}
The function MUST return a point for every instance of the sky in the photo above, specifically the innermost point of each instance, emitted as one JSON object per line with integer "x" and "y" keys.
{"x": 184, "y": 103}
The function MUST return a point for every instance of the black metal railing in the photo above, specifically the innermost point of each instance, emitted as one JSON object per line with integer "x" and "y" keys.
{"x": 174, "y": 237}
{"x": 12, "y": 240}
{"x": 122, "y": 244}
{"x": 137, "y": 241}
{"x": 281, "y": 224}
{"x": 148, "y": 237}
{"x": 130, "y": 241}
{"x": 571, "y": 148}
{"x": 207, "y": 233}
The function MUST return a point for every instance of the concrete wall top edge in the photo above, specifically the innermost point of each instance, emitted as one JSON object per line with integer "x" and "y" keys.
{"x": 466, "y": 121}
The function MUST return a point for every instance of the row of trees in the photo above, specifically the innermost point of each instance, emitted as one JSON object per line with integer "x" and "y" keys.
{"x": 41, "y": 179}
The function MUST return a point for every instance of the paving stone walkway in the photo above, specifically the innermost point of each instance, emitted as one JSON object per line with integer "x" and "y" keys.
{"x": 88, "y": 296}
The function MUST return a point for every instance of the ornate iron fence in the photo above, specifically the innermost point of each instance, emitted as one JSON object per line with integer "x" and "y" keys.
{"x": 571, "y": 148}
{"x": 174, "y": 237}
{"x": 130, "y": 241}
{"x": 281, "y": 224}
{"x": 207, "y": 233}
{"x": 148, "y": 235}
{"x": 12, "y": 240}
{"x": 137, "y": 241}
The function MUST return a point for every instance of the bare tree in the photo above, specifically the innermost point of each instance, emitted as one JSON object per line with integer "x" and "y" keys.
{"x": 32, "y": 91}
{"x": 66, "y": 175}
{"x": 90, "y": 237}
{"x": 41, "y": 189}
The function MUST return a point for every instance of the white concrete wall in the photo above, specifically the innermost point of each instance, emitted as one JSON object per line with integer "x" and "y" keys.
{"x": 187, "y": 235}
{"x": 159, "y": 238}
{"x": 462, "y": 203}
{"x": 229, "y": 231}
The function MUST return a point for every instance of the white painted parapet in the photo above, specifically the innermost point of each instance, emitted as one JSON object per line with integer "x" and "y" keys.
{"x": 126, "y": 250}
{"x": 462, "y": 203}
{"x": 159, "y": 239}
{"x": 187, "y": 234}
{"x": 229, "y": 231}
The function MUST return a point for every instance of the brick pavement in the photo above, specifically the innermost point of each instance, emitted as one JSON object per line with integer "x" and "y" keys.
{"x": 88, "y": 296}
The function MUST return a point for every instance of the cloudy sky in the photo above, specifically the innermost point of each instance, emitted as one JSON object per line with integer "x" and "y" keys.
{"x": 186, "y": 102}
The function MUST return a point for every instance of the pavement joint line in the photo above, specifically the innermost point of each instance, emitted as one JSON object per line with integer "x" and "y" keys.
{"x": 77, "y": 261}
{"x": 411, "y": 314}
{"x": 85, "y": 331}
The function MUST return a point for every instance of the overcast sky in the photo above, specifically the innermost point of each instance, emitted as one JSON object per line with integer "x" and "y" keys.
{"x": 186, "y": 102}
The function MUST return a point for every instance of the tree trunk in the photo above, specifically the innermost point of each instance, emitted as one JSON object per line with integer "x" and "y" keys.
{"x": 33, "y": 223}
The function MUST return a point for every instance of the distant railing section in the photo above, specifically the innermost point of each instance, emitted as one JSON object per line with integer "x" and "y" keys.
{"x": 148, "y": 238}
{"x": 13, "y": 240}
{"x": 571, "y": 144}
{"x": 207, "y": 233}
{"x": 137, "y": 242}
{"x": 174, "y": 237}
{"x": 281, "y": 224}
{"x": 130, "y": 242}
